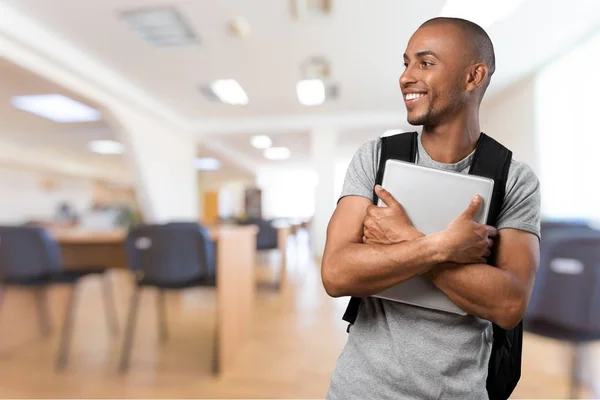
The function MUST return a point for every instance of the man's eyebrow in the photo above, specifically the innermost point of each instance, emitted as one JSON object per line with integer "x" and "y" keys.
{"x": 423, "y": 53}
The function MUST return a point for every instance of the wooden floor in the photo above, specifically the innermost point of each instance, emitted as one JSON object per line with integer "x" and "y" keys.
{"x": 296, "y": 338}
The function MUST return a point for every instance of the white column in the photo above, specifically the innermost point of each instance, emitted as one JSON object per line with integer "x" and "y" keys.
{"x": 162, "y": 162}
{"x": 323, "y": 149}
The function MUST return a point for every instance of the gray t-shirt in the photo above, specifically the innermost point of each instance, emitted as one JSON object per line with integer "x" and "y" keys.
{"x": 399, "y": 351}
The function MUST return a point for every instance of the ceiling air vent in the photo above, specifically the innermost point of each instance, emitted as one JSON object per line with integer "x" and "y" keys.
{"x": 160, "y": 27}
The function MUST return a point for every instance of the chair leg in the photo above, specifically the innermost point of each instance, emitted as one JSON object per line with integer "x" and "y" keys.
{"x": 162, "y": 316}
{"x": 129, "y": 330}
{"x": 575, "y": 371}
{"x": 67, "y": 330}
{"x": 41, "y": 299}
{"x": 109, "y": 306}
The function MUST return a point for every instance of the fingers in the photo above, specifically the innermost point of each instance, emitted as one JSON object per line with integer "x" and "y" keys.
{"x": 386, "y": 197}
{"x": 491, "y": 231}
{"x": 471, "y": 211}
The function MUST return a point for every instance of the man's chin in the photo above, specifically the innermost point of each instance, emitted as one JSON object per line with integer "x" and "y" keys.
{"x": 416, "y": 121}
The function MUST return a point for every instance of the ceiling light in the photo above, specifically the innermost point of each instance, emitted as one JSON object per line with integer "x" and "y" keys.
{"x": 471, "y": 10}
{"x": 229, "y": 91}
{"x": 106, "y": 147}
{"x": 207, "y": 164}
{"x": 277, "y": 153}
{"x": 56, "y": 107}
{"x": 307, "y": 8}
{"x": 261, "y": 142}
{"x": 160, "y": 27}
{"x": 311, "y": 92}
{"x": 240, "y": 27}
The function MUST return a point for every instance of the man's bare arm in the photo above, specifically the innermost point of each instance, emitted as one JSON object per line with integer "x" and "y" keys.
{"x": 499, "y": 294}
{"x": 353, "y": 268}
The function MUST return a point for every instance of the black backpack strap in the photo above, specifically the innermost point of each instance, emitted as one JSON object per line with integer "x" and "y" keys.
{"x": 492, "y": 160}
{"x": 401, "y": 147}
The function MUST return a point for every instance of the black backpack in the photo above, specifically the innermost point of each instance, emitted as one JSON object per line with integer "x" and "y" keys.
{"x": 491, "y": 160}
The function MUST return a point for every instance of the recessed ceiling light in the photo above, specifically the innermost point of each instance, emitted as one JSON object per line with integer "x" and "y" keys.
{"x": 311, "y": 92}
{"x": 106, "y": 147}
{"x": 229, "y": 91}
{"x": 56, "y": 107}
{"x": 485, "y": 17}
{"x": 261, "y": 142}
{"x": 164, "y": 26}
{"x": 207, "y": 164}
{"x": 309, "y": 8}
{"x": 277, "y": 153}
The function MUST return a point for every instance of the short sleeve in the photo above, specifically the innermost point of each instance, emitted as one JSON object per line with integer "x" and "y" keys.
{"x": 522, "y": 201}
{"x": 361, "y": 173}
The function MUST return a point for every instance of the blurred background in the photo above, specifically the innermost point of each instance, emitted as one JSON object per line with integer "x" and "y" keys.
{"x": 203, "y": 144}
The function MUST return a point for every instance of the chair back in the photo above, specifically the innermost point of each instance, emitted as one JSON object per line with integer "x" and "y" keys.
{"x": 27, "y": 252}
{"x": 171, "y": 253}
{"x": 266, "y": 238}
{"x": 567, "y": 289}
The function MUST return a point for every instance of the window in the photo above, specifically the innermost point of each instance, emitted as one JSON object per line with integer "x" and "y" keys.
{"x": 568, "y": 133}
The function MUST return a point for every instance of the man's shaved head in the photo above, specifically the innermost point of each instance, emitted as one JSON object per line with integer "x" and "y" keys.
{"x": 476, "y": 37}
{"x": 448, "y": 65}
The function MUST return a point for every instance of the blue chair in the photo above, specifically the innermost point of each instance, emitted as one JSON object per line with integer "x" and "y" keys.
{"x": 565, "y": 303}
{"x": 266, "y": 239}
{"x": 551, "y": 226}
{"x": 171, "y": 256}
{"x": 29, "y": 257}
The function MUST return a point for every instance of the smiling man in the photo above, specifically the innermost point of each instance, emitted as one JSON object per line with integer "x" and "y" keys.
{"x": 398, "y": 351}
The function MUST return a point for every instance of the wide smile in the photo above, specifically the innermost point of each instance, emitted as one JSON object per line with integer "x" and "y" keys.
{"x": 412, "y": 98}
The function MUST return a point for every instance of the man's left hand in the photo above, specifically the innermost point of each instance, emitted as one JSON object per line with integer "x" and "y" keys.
{"x": 388, "y": 225}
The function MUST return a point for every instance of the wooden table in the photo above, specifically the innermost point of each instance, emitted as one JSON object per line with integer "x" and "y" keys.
{"x": 235, "y": 255}
{"x": 106, "y": 248}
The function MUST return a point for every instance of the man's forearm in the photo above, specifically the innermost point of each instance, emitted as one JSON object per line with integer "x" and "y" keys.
{"x": 360, "y": 269}
{"x": 482, "y": 290}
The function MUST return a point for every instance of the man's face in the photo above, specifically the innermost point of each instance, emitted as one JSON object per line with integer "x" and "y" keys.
{"x": 434, "y": 81}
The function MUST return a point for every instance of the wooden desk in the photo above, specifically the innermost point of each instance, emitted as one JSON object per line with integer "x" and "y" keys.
{"x": 235, "y": 255}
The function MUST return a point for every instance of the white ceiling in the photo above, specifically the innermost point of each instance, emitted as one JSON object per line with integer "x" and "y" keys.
{"x": 68, "y": 141}
{"x": 362, "y": 39}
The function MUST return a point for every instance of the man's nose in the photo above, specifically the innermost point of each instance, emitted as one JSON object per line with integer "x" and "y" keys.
{"x": 407, "y": 78}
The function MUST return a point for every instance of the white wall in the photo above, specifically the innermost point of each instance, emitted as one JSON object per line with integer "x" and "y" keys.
{"x": 569, "y": 136}
{"x": 510, "y": 119}
{"x": 232, "y": 199}
{"x": 287, "y": 192}
{"x": 162, "y": 159}
{"x": 26, "y": 197}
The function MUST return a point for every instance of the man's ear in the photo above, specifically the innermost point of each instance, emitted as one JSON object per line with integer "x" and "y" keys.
{"x": 477, "y": 76}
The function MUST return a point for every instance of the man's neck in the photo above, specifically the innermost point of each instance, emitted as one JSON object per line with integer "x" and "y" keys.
{"x": 451, "y": 142}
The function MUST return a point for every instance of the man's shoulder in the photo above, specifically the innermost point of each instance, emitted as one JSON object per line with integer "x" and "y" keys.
{"x": 521, "y": 173}
{"x": 369, "y": 148}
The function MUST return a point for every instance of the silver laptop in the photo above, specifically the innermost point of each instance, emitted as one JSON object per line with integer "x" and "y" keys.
{"x": 432, "y": 199}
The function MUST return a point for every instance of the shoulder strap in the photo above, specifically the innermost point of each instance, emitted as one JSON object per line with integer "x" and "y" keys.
{"x": 492, "y": 160}
{"x": 403, "y": 147}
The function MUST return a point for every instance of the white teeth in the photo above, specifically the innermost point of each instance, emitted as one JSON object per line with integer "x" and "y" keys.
{"x": 414, "y": 96}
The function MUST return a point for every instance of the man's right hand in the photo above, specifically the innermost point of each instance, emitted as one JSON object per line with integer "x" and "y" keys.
{"x": 466, "y": 241}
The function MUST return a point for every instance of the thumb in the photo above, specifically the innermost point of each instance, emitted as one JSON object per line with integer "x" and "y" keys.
{"x": 471, "y": 211}
{"x": 386, "y": 197}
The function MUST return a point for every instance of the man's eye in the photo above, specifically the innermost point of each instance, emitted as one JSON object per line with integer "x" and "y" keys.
{"x": 405, "y": 65}
{"x": 426, "y": 63}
